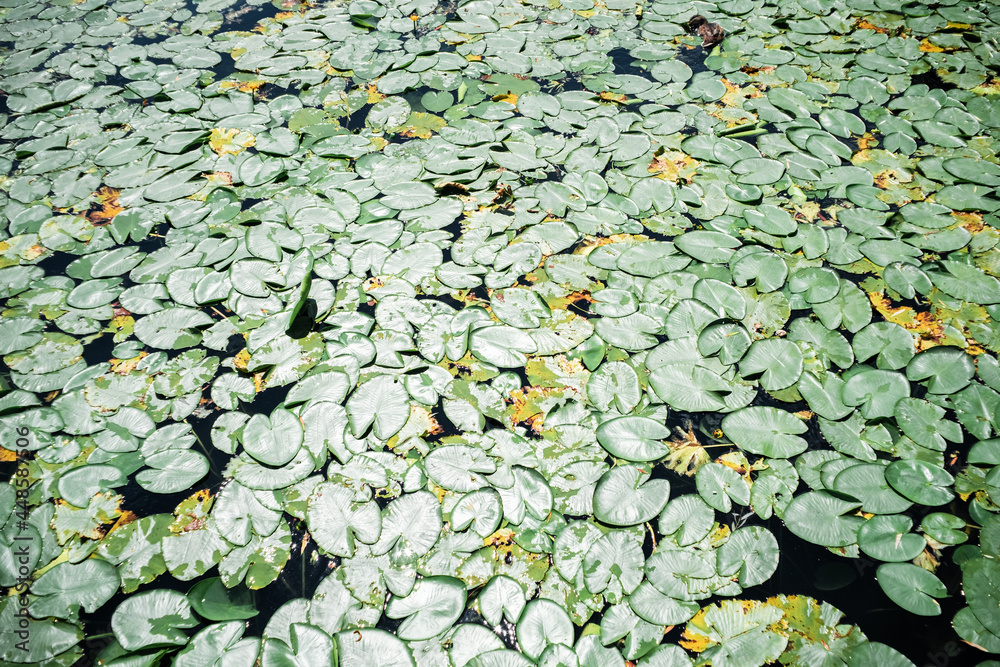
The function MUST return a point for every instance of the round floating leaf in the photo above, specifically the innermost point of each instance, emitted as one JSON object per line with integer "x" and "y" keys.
{"x": 777, "y": 361}
{"x": 70, "y": 586}
{"x": 651, "y": 259}
{"x": 945, "y": 370}
{"x": 482, "y": 510}
{"x": 519, "y": 308}
{"x": 502, "y": 346}
{"x": 874, "y": 654}
{"x": 573, "y": 487}
{"x": 500, "y": 658}
{"x": 380, "y": 403}
{"x": 558, "y": 654}
{"x": 771, "y": 220}
{"x": 670, "y": 571}
{"x": 501, "y": 598}
{"x": 966, "y": 282}
{"x": 707, "y": 246}
{"x": 729, "y": 341}
{"x": 912, "y": 588}
{"x": 818, "y": 517}
{"x": 437, "y": 101}
{"x": 824, "y": 394}
{"x": 625, "y": 496}
{"x": 752, "y": 553}
{"x": 981, "y": 584}
{"x": 889, "y": 539}
{"x": 985, "y": 452}
{"x": 920, "y": 481}
{"x": 152, "y": 619}
{"x": 758, "y": 171}
{"x": 458, "y": 467}
{"x": 614, "y": 383}
{"x": 973, "y": 170}
{"x": 211, "y": 599}
{"x": 543, "y": 622}
{"x": 613, "y": 566}
{"x": 633, "y": 438}
{"x": 654, "y": 607}
{"x": 944, "y": 528}
{"x": 719, "y": 486}
{"x": 94, "y": 293}
{"x": 79, "y": 485}
{"x": 907, "y": 279}
{"x": 335, "y": 519}
{"x": 816, "y": 285}
{"x": 433, "y": 605}
{"x": 370, "y": 647}
{"x": 171, "y": 471}
{"x": 688, "y": 519}
{"x": 876, "y": 392}
{"x": 172, "y": 328}
{"x": 411, "y": 524}
{"x": 892, "y": 343}
{"x": 970, "y": 629}
{"x": 49, "y": 638}
{"x": 571, "y": 546}
{"x": 766, "y": 431}
{"x": 924, "y": 423}
{"x": 19, "y": 333}
{"x": 472, "y": 639}
{"x": 273, "y": 441}
{"x": 841, "y": 123}
{"x": 727, "y": 299}
{"x": 687, "y": 381}
{"x": 408, "y": 195}
{"x": 867, "y": 483}
{"x": 766, "y": 270}
{"x": 53, "y": 353}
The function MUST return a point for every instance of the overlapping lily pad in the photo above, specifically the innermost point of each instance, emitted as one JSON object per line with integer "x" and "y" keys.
{"x": 445, "y": 301}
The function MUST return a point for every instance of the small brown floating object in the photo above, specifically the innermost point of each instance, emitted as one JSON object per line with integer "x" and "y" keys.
{"x": 710, "y": 33}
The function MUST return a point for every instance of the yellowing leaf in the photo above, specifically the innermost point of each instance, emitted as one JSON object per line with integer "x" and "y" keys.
{"x": 420, "y": 423}
{"x": 614, "y": 97}
{"x": 927, "y": 47}
{"x": 865, "y": 24}
{"x": 921, "y": 323}
{"x": 992, "y": 87}
{"x": 126, "y": 366}
{"x": 220, "y": 178}
{"x": 192, "y": 512}
{"x": 674, "y": 165}
{"x": 686, "y": 455}
{"x": 243, "y": 86}
{"x": 374, "y": 96}
{"x": 241, "y": 359}
{"x": 736, "y": 96}
{"x": 508, "y": 97}
{"x": 232, "y": 142}
{"x": 105, "y": 206}
{"x": 421, "y": 125}
{"x": 530, "y": 405}
{"x": 121, "y": 326}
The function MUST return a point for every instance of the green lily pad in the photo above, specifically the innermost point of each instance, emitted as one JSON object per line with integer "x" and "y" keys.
{"x": 912, "y": 588}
